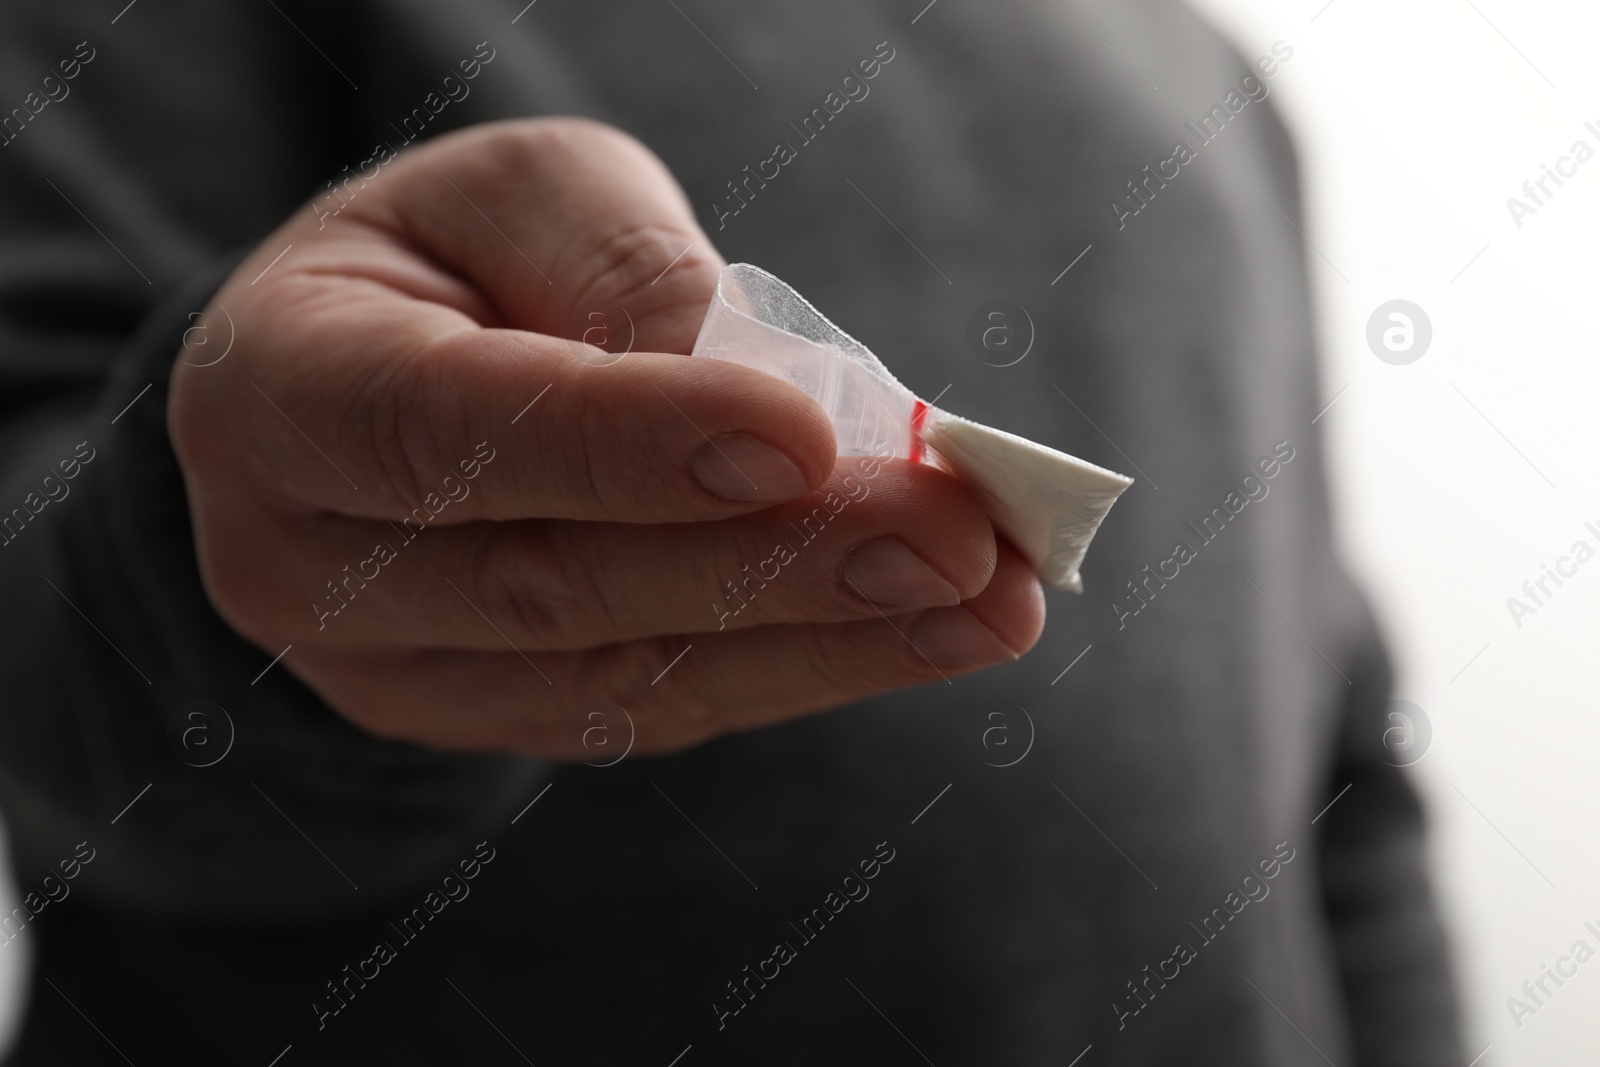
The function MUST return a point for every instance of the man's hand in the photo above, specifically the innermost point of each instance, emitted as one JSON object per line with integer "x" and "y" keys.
{"x": 451, "y": 577}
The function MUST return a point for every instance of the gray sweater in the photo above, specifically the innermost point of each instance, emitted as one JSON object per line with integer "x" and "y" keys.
{"x": 1111, "y": 848}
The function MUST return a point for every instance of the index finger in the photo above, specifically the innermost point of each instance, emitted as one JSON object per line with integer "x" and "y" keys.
{"x": 387, "y": 419}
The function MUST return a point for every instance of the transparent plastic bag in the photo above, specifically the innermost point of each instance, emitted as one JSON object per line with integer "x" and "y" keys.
{"x": 1045, "y": 502}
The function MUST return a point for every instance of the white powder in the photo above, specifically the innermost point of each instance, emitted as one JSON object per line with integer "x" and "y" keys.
{"x": 1047, "y": 503}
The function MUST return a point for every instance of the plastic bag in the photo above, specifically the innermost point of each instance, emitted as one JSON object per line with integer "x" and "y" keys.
{"x": 1046, "y": 503}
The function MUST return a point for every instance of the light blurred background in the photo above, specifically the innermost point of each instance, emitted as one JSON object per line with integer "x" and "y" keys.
{"x": 1458, "y": 475}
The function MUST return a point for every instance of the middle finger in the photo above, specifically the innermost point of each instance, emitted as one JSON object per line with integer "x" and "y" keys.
{"x": 877, "y": 535}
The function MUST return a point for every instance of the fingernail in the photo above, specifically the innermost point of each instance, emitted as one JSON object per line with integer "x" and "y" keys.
{"x": 953, "y": 637}
{"x": 737, "y": 466}
{"x": 886, "y": 571}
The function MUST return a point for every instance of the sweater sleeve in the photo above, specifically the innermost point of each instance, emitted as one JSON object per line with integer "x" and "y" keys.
{"x": 1393, "y": 955}
{"x": 113, "y": 234}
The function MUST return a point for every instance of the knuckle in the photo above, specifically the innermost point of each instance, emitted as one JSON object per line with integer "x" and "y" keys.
{"x": 528, "y": 577}
{"x": 507, "y": 152}
{"x": 251, "y": 607}
{"x": 534, "y": 146}
{"x": 595, "y": 619}
{"x": 619, "y": 264}
{"x": 397, "y": 423}
{"x": 749, "y": 578}
{"x": 674, "y": 705}
{"x": 593, "y": 467}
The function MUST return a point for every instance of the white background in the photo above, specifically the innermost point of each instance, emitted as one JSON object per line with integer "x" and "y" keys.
{"x": 1415, "y": 122}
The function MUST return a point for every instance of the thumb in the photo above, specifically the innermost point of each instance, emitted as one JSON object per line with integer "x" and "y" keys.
{"x": 568, "y": 227}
